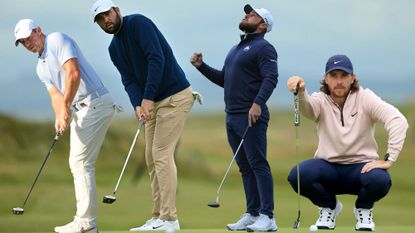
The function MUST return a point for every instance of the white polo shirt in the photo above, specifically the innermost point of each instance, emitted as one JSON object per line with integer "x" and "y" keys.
{"x": 59, "y": 48}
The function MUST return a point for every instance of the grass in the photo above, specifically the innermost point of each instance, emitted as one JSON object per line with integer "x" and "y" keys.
{"x": 388, "y": 229}
{"x": 202, "y": 157}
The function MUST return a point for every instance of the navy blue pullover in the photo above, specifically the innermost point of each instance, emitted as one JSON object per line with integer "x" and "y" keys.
{"x": 145, "y": 61}
{"x": 249, "y": 75}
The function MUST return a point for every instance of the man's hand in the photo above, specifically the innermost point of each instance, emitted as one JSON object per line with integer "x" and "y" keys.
{"x": 196, "y": 59}
{"x": 292, "y": 84}
{"x": 147, "y": 107}
{"x": 63, "y": 117}
{"x": 138, "y": 113}
{"x": 376, "y": 164}
{"x": 254, "y": 114}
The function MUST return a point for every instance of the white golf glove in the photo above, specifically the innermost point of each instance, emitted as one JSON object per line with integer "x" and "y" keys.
{"x": 198, "y": 97}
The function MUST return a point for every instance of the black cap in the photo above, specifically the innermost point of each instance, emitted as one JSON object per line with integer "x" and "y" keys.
{"x": 248, "y": 8}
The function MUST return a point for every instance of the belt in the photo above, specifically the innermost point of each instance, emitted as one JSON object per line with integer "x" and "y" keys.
{"x": 88, "y": 98}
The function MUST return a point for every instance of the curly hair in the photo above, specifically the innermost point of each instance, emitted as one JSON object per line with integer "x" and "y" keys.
{"x": 325, "y": 88}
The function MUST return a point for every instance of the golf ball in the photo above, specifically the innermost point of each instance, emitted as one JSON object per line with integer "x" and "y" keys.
{"x": 313, "y": 228}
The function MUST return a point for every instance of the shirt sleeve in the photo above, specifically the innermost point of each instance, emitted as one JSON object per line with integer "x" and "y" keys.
{"x": 130, "y": 83}
{"x": 149, "y": 41}
{"x": 62, "y": 46}
{"x": 268, "y": 66}
{"x": 310, "y": 105}
{"x": 214, "y": 75}
{"x": 394, "y": 122}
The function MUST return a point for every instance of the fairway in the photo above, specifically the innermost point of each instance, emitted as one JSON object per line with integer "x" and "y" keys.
{"x": 201, "y": 165}
{"x": 385, "y": 229}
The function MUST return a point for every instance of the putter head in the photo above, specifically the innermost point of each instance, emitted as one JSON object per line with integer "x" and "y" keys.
{"x": 296, "y": 224}
{"x": 109, "y": 199}
{"x": 18, "y": 211}
{"x": 213, "y": 204}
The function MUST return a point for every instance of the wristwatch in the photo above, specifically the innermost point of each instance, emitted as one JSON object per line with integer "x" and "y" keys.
{"x": 389, "y": 158}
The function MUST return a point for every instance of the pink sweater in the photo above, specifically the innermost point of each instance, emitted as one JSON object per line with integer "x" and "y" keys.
{"x": 347, "y": 136}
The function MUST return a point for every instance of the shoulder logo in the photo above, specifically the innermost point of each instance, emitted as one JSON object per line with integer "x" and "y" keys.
{"x": 247, "y": 48}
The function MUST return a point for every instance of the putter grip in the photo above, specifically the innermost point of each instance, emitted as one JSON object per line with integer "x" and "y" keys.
{"x": 296, "y": 106}
{"x": 296, "y": 117}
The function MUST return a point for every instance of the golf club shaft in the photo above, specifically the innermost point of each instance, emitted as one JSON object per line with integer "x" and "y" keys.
{"x": 230, "y": 164}
{"x": 140, "y": 125}
{"x": 297, "y": 146}
{"x": 41, "y": 168}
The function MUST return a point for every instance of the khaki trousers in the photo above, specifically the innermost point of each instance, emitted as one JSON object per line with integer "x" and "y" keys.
{"x": 162, "y": 132}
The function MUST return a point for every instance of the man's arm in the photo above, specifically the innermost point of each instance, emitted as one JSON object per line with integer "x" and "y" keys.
{"x": 395, "y": 125}
{"x": 394, "y": 122}
{"x": 215, "y": 76}
{"x": 268, "y": 68}
{"x": 61, "y": 103}
{"x": 72, "y": 81}
{"x": 309, "y": 105}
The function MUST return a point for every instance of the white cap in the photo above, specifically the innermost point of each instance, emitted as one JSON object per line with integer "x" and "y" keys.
{"x": 23, "y": 29}
{"x": 101, "y": 6}
{"x": 265, "y": 15}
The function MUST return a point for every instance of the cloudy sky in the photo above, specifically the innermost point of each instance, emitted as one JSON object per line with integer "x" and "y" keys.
{"x": 378, "y": 36}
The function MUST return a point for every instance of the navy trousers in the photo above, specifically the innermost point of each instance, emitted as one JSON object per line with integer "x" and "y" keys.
{"x": 321, "y": 181}
{"x": 252, "y": 161}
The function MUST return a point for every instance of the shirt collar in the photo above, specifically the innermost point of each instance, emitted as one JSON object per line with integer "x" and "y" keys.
{"x": 44, "y": 52}
{"x": 250, "y": 36}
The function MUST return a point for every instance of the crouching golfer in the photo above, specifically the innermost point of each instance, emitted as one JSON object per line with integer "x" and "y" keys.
{"x": 159, "y": 92}
{"x": 249, "y": 77}
{"x": 78, "y": 98}
{"x": 346, "y": 160}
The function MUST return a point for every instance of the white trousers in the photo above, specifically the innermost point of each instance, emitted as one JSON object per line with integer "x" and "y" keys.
{"x": 88, "y": 128}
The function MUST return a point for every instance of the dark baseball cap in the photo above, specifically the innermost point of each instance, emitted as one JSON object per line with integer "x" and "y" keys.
{"x": 339, "y": 62}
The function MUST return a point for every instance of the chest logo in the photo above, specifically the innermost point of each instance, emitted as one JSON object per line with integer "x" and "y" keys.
{"x": 247, "y": 48}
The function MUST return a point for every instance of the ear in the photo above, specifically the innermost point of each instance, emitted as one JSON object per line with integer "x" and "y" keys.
{"x": 262, "y": 27}
{"x": 38, "y": 30}
{"x": 117, "y": 9}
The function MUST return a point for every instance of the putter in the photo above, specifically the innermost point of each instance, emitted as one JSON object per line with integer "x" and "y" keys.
{"x": 20, "y": 210}
{"x": 109, "y": 199}
{"x": 215, "y": 204}
{"x": 297, "y": 144}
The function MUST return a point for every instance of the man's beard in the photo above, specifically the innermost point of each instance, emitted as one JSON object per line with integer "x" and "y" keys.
{"x": 247, "y": 28}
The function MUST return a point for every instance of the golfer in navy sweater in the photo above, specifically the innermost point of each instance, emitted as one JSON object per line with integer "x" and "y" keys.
{"x": 249, "y": 77}
{"x": 159, "y": 92}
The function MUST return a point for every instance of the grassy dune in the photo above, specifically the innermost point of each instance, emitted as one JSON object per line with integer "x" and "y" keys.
{"x": 202, "y": 158}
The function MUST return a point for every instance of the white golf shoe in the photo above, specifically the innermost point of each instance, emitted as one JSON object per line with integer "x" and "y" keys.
{"x": 327, "y": 219}
{"x": 155, "y": 224}
{"x": 263, "y": 224}
{"x": 364, "y": 219}
{"x": 77, "y": 227}
{"x": 146, "y": 226}
{"x": 240, "y": 225}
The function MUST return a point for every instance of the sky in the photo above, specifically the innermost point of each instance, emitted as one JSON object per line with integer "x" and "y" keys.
{"x": 377, "y": 35}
